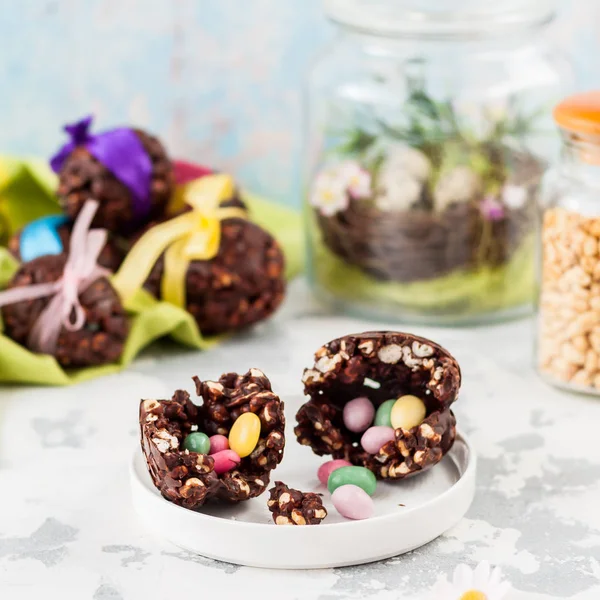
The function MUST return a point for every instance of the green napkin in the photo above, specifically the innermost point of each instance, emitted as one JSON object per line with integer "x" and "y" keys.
{"x": 26, "y": 193}
{"x": 29, "y": 183}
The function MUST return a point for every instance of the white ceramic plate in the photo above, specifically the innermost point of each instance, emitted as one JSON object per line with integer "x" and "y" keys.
{"x": 408, "y": 514}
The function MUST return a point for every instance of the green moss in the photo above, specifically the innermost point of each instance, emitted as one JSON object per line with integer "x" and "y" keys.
{"x": 461, "y": 294}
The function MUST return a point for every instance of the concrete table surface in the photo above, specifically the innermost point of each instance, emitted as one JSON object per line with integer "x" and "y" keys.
{"x": 68, "y": 531}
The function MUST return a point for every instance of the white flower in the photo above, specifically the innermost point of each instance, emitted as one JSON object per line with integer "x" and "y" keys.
{"x": 480, "y": 584}
{"x": 334, "y": 184}
{"x": 514, "y": 196}
{"x": 358, "y": 180}
{"x": 329, "y": 193}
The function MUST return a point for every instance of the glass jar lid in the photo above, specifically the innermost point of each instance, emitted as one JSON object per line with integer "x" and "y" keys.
{"x": 579, "y": 113}
{"x": 440, "y": 18}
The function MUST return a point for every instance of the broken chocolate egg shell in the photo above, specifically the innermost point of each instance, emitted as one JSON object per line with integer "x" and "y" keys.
{"x": 380, "y": 365}
{"x": 187, "y": 478}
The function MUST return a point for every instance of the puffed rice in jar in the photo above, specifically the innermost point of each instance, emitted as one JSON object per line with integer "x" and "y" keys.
{"x": 568, "y": 332}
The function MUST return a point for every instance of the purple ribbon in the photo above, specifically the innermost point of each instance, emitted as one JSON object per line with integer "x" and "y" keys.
{"x": 121, "y": 152}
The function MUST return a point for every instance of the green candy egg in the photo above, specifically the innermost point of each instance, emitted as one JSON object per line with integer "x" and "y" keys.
{"x": 383, "y": 416}
{"x": 197, "y": 442}
{"x": 359, "y": 476}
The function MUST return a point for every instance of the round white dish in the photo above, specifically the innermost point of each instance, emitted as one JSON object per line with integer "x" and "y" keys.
{"x": 408, "y": 514}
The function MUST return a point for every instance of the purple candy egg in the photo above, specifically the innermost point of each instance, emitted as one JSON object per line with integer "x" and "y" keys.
{"x": 375, "y": 437}
{"x": 358, "y": 414}
{"x": 327, "y": 468}
{"x": 353, "y": 502}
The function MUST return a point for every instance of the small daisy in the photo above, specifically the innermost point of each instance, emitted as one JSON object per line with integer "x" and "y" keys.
{"x": 481, "y": 584}
{"x": 358, "y": 180}
{"x": 330, "y": 192}
{"x": 491, "y": 209}
{"x": 514, "y": 196}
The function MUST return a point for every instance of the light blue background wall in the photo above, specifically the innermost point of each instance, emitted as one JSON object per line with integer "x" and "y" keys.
{"x": 219, "y": 80}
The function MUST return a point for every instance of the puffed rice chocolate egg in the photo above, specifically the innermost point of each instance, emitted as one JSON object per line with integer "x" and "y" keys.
{"x": 239, "y": 287}
{"x": 382, "y": 366}
{"x": 101, "y": 339}
{"x": 83, "y": 176}
{"x": 190, "y": 479}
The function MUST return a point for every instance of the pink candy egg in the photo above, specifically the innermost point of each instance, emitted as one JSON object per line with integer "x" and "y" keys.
{"x": 327, "y": 468}
{"x": 353, "y": 502}
{"x": 375, "y": 437}
{"x": 225, "y": 460}
{"x": 218, "y": 443}
{"x": 358, "y": 414}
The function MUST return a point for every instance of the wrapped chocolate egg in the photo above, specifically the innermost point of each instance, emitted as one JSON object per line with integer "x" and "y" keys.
{"x": 126, "y": 170}
{"x": 411, "y": 383}
{"x": 242, "y": 285}
{"x": 227, "y": 272}
{"x": 64, "y": 305}
{"x": 189, "y": 478}
{"x": 100, "y": 339}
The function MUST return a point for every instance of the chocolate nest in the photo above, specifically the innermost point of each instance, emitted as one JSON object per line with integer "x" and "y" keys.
{"x": 242, "y": 285}
{"x": 83, "y": 177}
{"x": 401, "y": 364}
{"x": 111, "y": 256}
{"x": 417, "y": 245}
{"x": 187, "y": 478}
{"x": 103, "y": 335}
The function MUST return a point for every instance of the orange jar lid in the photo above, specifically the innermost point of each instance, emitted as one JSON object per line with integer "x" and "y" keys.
{"x": 580, "y": 113}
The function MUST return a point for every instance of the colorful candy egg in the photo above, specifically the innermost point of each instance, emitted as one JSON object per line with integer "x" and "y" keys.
{"x": 375, "y": 437}
{"x": 197, "y": 442}
{"x": 218, "y": 443}
{"x": 360, "y": 476}
{"x": 327, "y": 468}
{"x": 408, "y": 412}
{"x": 244, "y": 434}
{"x": 358, "y": 414}
{"x": 383, "y": 416}
{"x": 225, "y": 461}
{"x": 353, "y": 502}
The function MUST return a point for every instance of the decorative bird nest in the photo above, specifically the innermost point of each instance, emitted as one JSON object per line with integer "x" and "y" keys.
{"x": 416, "y": 244}
{"x": 418, "y": 200}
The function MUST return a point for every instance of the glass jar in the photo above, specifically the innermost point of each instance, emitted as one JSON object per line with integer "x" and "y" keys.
{"x": 568, "y": 333}
{"x": 428, "y": 131}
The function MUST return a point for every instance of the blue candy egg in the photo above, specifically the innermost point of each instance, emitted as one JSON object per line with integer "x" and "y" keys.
{"x": 40, "y": 237}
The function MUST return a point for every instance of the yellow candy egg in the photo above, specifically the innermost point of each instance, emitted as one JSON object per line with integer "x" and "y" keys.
{"x": 408, "y": 412}
{"x": 244, "y": 434}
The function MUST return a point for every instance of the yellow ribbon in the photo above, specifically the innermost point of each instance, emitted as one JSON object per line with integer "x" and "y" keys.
{"x": 195, "y": 235}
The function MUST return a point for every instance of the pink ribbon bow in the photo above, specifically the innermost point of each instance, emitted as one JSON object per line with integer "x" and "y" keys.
{"x": 81, "y": 270}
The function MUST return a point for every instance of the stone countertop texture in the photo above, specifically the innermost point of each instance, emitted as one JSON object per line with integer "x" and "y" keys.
{"x": 68, "y": 531}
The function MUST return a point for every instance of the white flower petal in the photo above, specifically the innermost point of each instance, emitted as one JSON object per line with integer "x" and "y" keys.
{"x": 481, "y": 576}
{"x": 495, "y": 577}
{"x": 463, "y": 577}
{"x": 501, "y": 591}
